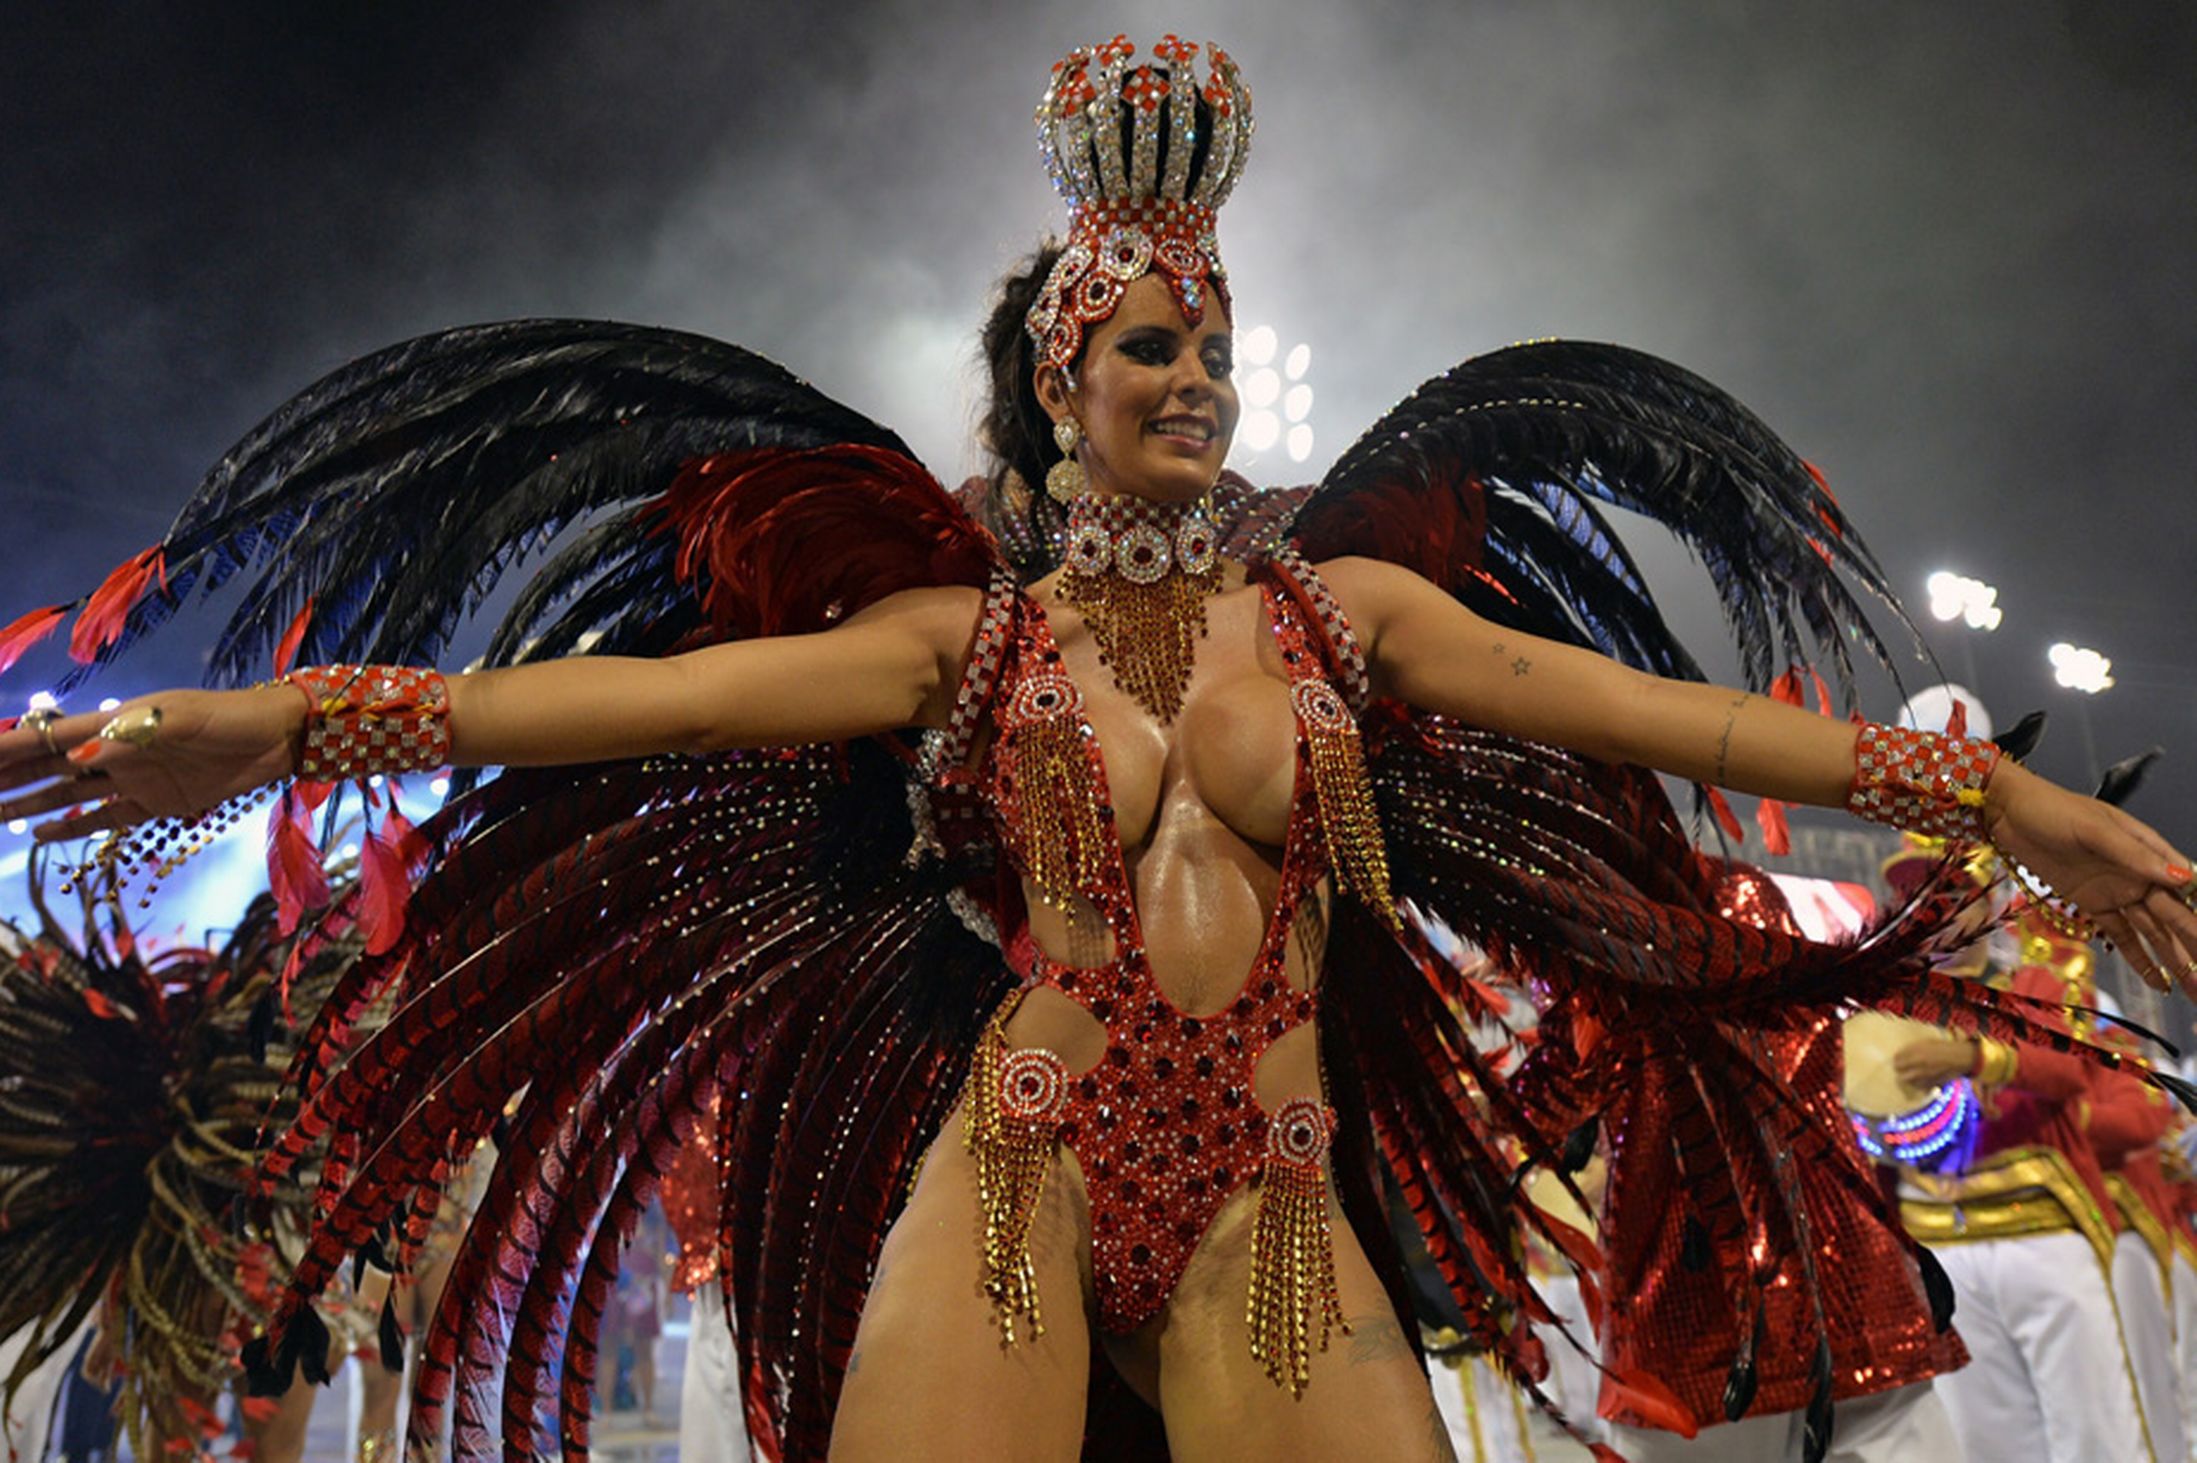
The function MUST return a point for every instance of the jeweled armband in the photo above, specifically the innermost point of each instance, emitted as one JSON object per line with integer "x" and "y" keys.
{"x": 1923, "y": 782}
{"x": 365, "y": 719}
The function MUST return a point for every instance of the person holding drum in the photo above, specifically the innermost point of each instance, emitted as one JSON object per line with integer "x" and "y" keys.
{"x": 2018, "y": 1212}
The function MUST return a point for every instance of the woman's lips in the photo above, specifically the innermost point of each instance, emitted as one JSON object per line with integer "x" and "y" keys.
{"x": 1189, "y": 433}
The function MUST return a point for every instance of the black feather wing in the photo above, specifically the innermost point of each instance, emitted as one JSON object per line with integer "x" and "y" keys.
{"x": 1492, "y": 478}
{"x": 395, "y": 493}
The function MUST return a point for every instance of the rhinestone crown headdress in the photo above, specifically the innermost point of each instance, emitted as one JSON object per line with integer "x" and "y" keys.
{"x": 1126, "y": 217}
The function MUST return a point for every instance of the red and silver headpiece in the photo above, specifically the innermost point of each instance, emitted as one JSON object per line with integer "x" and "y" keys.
{"x": 1127, "y": 214}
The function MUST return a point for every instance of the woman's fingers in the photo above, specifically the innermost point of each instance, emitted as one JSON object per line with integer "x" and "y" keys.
{"x": 67, "y": 792}
{"x": 2123, "y": 937}
{"x": 35, "y": 769}
{"x": 23, "y": 751}
{"x": 2171, "y": 908}
{"x": 2158, "y": 948}
{"x": 2173, "y": 866}
{"x": 109, "y": 816}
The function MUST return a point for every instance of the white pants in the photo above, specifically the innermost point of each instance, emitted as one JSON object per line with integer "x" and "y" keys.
{"x": 2148, "y": 1331}
{"x": 2185, "y": 1339}
{"x": 712, "y": 1409}
{"x": 2048, "y": 1381}
{"x": 1904, "y": 1425}
{"x": 29, "y": 1422}
{"x": 1575, "y": 1382}
{"x": 1485, "y": 1415}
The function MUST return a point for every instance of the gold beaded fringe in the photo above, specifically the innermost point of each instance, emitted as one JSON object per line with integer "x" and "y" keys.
{"x": 1062, "y": 831}
{"x": 1348, "y": 818}
{"x": 1147, "y": 633}
{"x": 1292, "y": 1273}
{"x": 1012, "y": 1155}
{"x": 154, "y": 851}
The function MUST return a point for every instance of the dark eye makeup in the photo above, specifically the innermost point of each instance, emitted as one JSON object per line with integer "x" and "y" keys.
{"x": 1156, "y": 346}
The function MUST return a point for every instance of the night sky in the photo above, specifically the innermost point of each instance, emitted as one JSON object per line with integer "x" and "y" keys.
{"x": 1954, "y": 262}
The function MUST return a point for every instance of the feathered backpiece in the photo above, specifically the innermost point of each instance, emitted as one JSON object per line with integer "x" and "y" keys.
{"x": 1490, "y": 480}
{"x": 606, "y": 950}
{"x": 618, "y": 943}
{"x": 383, "y": 504}
{"x": 136, "y": 1085}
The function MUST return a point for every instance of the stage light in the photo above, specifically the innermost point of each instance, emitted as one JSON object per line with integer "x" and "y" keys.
{"x": 2080, "y": 669}
{"x": 1277, "y": 399}
{"x": 1957, "y": 597}
{"x": 19, "y": 826}
{"x": 440, "y": 787}
{"x": 110, "y": 703}
{"x": 44, "y": 701}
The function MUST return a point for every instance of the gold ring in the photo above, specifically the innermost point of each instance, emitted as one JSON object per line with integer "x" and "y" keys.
{"x": 139, "y": 728}
{"x": 40, "y": 719}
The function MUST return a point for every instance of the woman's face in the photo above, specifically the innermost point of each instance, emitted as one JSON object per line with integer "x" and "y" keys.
{"x": 1155, "y": 397}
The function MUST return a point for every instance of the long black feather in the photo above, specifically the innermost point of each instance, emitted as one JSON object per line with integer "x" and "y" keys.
{"x": 394, "y": 494}
{"x": 1546, "y": 432}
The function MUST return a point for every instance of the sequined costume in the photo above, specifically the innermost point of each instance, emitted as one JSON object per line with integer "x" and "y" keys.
{"x": 1166, "y": 1126}
{"x": 803, "y": 949}
{"x": 1680, "y": 1358}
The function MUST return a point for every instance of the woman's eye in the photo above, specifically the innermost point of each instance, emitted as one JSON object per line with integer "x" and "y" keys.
{"x": 1219, "y": 366}
{"x": 1150, "y": 352}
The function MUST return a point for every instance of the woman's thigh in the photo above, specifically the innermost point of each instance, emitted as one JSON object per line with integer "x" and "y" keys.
{"x": 929, "y": 1378}
{"x": 1368, "y": 1397}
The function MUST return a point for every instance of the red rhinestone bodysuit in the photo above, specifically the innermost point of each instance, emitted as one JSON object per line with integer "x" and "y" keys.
{"x": 1166, "y": 1125}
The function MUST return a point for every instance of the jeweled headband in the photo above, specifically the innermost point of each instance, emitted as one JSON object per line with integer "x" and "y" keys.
{"x": 1126, "y": 215}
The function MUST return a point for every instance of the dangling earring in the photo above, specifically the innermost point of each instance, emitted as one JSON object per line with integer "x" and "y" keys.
{"x": 1064, "y": 479}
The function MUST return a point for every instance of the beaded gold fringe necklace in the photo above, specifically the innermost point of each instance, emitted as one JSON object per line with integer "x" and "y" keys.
{"x": 1140, "y": 573}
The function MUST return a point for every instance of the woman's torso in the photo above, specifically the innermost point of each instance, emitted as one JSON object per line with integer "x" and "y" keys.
{"x": 1202, "y": 809}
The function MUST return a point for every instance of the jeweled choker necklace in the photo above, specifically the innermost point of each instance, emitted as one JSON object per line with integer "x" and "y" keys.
{"x": 1140, "y": 573}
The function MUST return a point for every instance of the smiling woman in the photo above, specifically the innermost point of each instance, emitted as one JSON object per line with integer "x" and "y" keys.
{"x": 1023, "y": 916}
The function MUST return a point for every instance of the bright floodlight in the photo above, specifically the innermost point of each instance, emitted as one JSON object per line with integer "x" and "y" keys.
{"x": 19, "y": 825}
{"x": 1957, "y": 597}
{"x": 1277, "y": 400}
{"x": 2079, "y": 669}
{"x": 44, "y": 701}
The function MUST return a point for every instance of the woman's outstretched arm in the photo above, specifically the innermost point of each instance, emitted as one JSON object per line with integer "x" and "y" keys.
{"x": 1426, "y": 649}
{"x": 895, "y": 664}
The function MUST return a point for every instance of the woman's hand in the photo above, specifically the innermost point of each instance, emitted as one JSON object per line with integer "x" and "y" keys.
{"x": 2112, "y": 867}
{"x": 206, "y": 747}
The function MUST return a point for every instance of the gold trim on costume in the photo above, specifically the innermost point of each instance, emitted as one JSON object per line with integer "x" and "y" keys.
{"x": 2146, "y": 1224}
{"x": 2017, "y": 1192}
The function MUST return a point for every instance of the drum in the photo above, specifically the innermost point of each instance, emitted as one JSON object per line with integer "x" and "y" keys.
{"x": 1930, "y": 1128}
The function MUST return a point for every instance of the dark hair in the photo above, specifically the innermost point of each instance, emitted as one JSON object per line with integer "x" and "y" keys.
{"x": 1015, "y": 428}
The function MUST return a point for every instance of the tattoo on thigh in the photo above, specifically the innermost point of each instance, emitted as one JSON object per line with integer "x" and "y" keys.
{"x": 1376, "y": 1338}
{"x": 1724, "y": 742}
